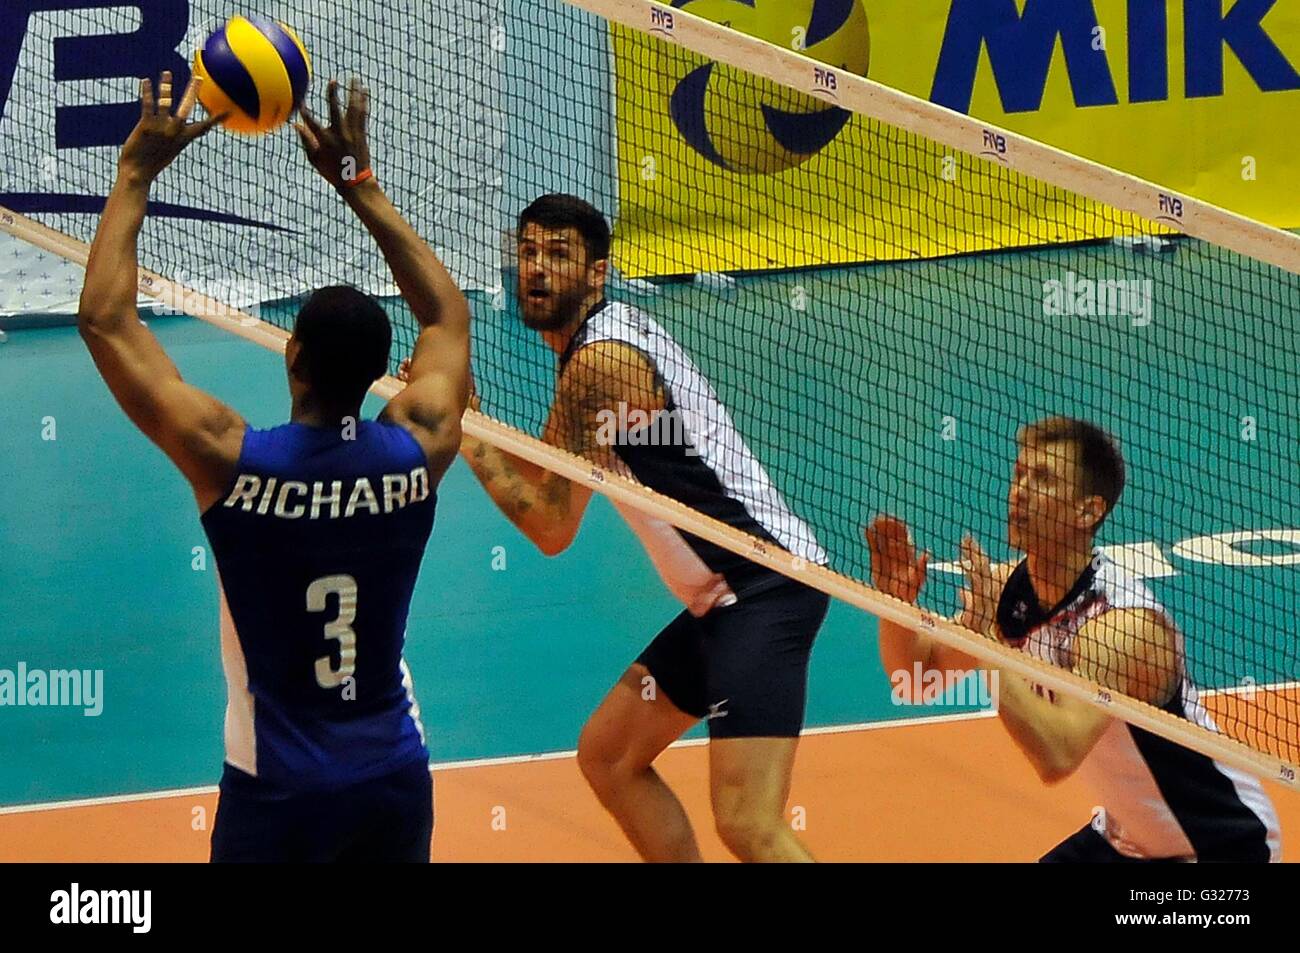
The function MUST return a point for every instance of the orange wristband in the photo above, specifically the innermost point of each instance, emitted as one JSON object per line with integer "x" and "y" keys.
{"x": 359, "y": 178}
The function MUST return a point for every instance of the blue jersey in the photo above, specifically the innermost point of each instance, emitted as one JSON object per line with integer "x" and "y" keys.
{"x": 318, "y": 543}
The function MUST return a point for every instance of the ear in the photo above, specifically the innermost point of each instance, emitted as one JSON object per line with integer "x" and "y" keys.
{"x": 1092, "y": 509}
{"x": 600, "y": 272}
{"x": 293, "y": 358}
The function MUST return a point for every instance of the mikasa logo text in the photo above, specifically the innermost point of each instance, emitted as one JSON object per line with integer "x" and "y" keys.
{"x": 134, "y": 907}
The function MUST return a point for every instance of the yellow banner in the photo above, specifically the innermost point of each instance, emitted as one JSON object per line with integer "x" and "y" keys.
{"x": 719, "y": 171}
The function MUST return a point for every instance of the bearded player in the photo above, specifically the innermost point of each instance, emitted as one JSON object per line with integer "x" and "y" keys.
{"x": 737, "y": 655}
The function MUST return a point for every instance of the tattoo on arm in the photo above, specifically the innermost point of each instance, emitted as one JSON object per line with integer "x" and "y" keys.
{"x": 512, "y": 489}
{"x": 587, "y": 392}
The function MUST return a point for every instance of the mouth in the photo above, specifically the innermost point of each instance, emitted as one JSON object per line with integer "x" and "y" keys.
{"x": 538, "y": 294}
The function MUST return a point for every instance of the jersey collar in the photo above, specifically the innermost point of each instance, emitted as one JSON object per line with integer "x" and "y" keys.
{"x": 1020, "y": 612}
{"x": 579, "y": 333}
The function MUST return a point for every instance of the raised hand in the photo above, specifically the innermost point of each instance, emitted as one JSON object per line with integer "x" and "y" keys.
{"x": 895, "y": 568}
{"x": 160, "y": 135}
{"x": 340, "y": 153}
{"x": 979, "y": 599}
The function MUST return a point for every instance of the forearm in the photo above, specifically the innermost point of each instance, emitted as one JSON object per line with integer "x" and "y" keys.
{"x": 539, "y": 502}
{"x": 1040, "y": 727}
{"x": 901, "y": 648}
{"x": 109, "y": 294}
{"x": 424, "y": 281}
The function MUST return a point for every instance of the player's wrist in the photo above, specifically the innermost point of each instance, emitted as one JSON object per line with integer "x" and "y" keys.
{"x": 360, "y": 179}
{"x": 131, "y": 176}
{"x": 362, "y": 195}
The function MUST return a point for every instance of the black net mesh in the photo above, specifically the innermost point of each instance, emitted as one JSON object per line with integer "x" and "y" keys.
{"x": 879, "y": 316}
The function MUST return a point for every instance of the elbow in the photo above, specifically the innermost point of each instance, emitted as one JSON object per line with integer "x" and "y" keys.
{"x": 1052, "y": 774}
{"x": 552, "y": 544}
{"x": 554, "y": 538}
{"x": 91, "y": 319}
{"x": 1056, "y": 768}
{"x": 87, "y": 321}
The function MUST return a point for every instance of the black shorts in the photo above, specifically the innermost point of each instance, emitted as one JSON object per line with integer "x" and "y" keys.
{"x": 1089, "y": 847}
{"x": 743, "y": 667}
{"x": 384, "y": 820}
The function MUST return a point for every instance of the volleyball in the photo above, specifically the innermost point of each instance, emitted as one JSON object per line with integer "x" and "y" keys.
{"x": 254, "y": 68}
{"x": 751, "y": 125}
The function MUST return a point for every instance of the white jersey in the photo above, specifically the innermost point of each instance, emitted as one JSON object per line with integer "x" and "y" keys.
{"x": 693, "y": 453}
{"x": 1157, "y": 799}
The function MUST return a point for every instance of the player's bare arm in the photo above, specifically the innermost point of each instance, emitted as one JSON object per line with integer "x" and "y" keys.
{"x": 1131, "y": 651}
{"x": 438, "y": 379}
{"x": 547, "y": 507}
{"x": 200, "y": 434}
{"x": 898, "y": 571}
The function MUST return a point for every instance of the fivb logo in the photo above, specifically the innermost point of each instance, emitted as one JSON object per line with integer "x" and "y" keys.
{"x": 825, "y": 83}
{"x": 995, "y": 145}
{"x": 661, "y": 21}
{"x": 99, "y": 907}
{"x": 1171, "y": 208}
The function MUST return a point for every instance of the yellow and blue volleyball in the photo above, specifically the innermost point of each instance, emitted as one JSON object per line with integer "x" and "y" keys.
{"x": 256, "y": 69}
{"x": 751, "y": 125}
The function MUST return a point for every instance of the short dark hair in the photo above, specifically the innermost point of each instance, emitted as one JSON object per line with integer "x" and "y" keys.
{"x": 346, "y": 338}
{"x": 569, "y": 211}
{"x": 1101, "y": 465}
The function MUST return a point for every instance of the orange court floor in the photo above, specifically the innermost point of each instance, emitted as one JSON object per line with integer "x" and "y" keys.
{"x": 952, "y": 790}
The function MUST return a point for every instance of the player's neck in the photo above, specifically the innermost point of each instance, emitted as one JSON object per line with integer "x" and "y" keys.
{"x": 311, "y": 414}
{"x": 558, "y": 340}
{"x": 1054, "y": 571}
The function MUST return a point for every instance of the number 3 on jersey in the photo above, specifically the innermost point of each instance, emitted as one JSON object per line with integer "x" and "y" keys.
{"x": 327, "y": 676}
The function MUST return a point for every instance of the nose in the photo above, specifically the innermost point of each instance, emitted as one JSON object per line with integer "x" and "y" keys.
{"x": 1017, "y": 495}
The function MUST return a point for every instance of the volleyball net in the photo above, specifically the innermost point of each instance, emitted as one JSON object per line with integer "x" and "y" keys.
{"x": 881, "y": 292}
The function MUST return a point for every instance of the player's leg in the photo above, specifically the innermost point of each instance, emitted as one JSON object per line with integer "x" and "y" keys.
{"x": 758, "y": 653}
{"x": 254, "y": 825}
{"x": 396, "y": 818}
{"x": 1088, "y": 846}
{"x": 647, "y": 710}
{"x": 749, "y": 779}
{"x": 249, "y": 832}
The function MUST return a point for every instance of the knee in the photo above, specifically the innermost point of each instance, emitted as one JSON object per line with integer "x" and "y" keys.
{"x": 747, "y": 833}
{"x": 599, "y": 758}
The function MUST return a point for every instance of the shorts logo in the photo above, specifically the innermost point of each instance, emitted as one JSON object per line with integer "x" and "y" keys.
{"x": 714, "y": 710}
